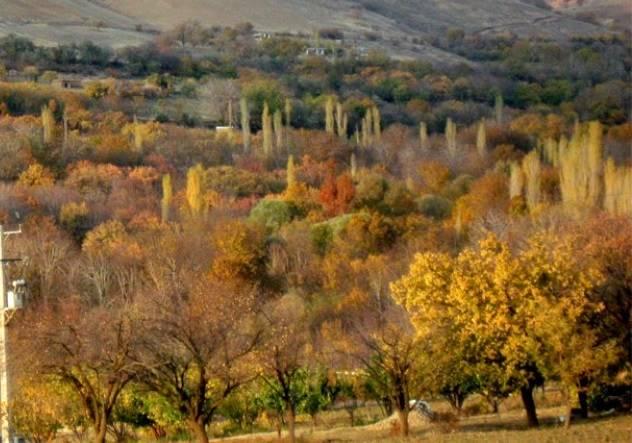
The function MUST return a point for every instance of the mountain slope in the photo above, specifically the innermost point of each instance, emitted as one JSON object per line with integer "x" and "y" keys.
{"x": 121, "y": 22}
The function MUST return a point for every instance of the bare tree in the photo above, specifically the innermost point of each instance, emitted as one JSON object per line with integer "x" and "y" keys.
{"x": 89, "y": 348}
{"x": 285, "y": 355}
{"x": 198, "y": 335}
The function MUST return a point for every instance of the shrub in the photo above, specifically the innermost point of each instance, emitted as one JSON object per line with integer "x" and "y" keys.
{"x": 434, "y": 206}
{"x": 273, "y": 213}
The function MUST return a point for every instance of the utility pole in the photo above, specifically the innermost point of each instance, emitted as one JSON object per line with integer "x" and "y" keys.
{"x": 8, "y": 305}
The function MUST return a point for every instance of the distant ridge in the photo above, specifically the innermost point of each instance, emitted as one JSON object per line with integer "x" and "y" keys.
{"x": 125, "y": 22}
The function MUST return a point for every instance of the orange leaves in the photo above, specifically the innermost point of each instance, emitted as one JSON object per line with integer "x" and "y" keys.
{"x": 336, "y": 194}
{"x": 87, "y": 177}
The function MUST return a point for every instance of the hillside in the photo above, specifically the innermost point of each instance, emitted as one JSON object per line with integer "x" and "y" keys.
{"x": 122, "y": 22}
{"x": 617, "y": 13}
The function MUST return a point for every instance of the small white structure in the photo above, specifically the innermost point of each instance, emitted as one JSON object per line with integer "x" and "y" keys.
{"x": 15, "y": 298}
{"x": 318, "y": 52}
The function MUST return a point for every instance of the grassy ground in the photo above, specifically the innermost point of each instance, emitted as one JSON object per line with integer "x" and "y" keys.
{"x": 508, "y": 426}
{"x": 508, "y": 429}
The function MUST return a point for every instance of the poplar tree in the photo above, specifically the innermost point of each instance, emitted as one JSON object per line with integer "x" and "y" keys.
{"x": 245, "y": 122}
{"x": 481, "y": 139}
{"x": 288, "y": 121}
{"x": 423, "y": 136}
{"x": 617, "y": 189}
{"x": 354, "y": 165}
{"x": 342, "y": 121}
{"x": 580, "y": 168}
{"x": 167, "y": 197}
{"x": 499, "y": 109}
{"x": 291, "y": 175}
{"x": 278, "y": 128}
{"x": 288, "y": 112}
{"x": 367, "y": 128}
{"x": 329, "y": 115}
{"x": 516, "y": 180}
{"x": 377, "y": 124}
{"x": 195, "y": 191}
{"x": 138, "y": 136}
{"x": 266, "y": 123}
{"x": 65, "y": 122}
{"x": 532, "y": 170}
{"x": 450, "y": 137}
{"x": 48, "y": 124}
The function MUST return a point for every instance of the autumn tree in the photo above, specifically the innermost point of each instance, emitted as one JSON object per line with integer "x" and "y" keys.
{"x": 87, "y": 348}
{"x": 36, "y": 175}
{"x": 284, "y": 358}
{"x": 195, "y": 191}
{"x": 581, "y": 164}
{"x": 484, "y": 298}
{"x": 245, "y": 123}
{"x": 450, "y": 138}
{"x": 278, "y": 129}
{"x": 532, "y": 170}
{"x": 197, "y": 336}
{"x": 266, "y": 127}
{"x": 481, "y": 139}
{"x": 423, "y": 137}
{"x": 329, "y": 115}
{"x": 337, "y": 193}
{"x": 167, "y": 197}
{"x": 499, "y": 109}
{"x": 48, "y": 123}
{"x": 42, "y": 407}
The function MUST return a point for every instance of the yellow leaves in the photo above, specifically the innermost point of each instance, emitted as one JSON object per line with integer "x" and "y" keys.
{"x": 111, "y": 239}
{"x": 240, "y": 252}
{"x": 40, "y": 406}
{"x": 521, "y": 306}
{"x": 36, "y": 175}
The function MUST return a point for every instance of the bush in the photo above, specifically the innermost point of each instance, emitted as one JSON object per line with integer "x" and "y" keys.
{"x": 459, "y": 186}
{"x": 273, "y": 213}
{"x": 434, "y": 206}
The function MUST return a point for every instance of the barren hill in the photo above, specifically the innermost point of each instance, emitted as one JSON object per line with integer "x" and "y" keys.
{"x": 123, "y": 22}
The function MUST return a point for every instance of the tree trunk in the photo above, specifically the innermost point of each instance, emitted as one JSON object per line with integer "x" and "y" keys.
{"x": 199, "y": 430}
{"x": 582, "y": 397}
{"x": 100, "y": 429}
{"x": 495, "y": 409}
{"x": 569, "y": 413}
{"x": 402, "y": 414}
{"x": 526, "y": 392}
{"x": 291, "y": 424}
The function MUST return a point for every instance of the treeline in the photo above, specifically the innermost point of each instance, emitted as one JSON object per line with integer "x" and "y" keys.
{"x": 587, "y": 77}
{"x": 320, "y": 254}
{"x": 177, "y": 275}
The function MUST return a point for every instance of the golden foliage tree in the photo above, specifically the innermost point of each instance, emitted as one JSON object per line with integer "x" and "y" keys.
{"x": 36, "y": 175}
{"x": 532, "y": 169}
{"x": 266, "y": 126}
{"x": 48, "y": 123}
{"x": 167, "y": 197}
{"x": 581, "y": 165}
{"x": 481, "y": 139}
{"x": 617, "y": 189}
{"x": 450, "y": 138}
{"x": 195, "y": 190}
{"x": 505, "y": 308}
